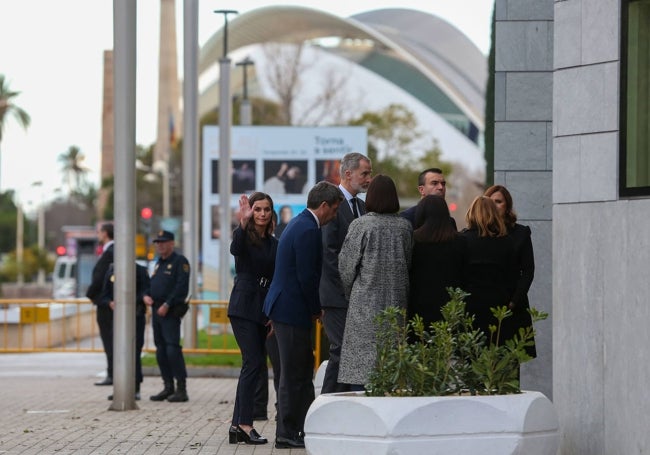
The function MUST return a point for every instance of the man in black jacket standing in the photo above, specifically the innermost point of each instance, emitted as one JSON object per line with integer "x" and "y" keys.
{"x": 141, "y": 289}
{"x": 94, "y": 293}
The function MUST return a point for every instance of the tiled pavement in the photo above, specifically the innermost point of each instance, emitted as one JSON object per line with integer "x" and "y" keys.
{"x": 49, "y": 405}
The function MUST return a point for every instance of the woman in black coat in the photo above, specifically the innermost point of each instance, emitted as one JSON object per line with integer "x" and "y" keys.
{"x": 523, "y": 265}
{"x": 254, "y": 248}
{"x": 488, "y": 267}
{"x": 439, "y": 254}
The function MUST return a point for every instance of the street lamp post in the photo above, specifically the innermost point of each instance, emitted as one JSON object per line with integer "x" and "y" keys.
{"x": 245, "y": 110}
{"x": 190, "y": 157}
{"x": 225, "y": 187}
{"x": 41, "y": 233}
{"x": 20, "y": 278}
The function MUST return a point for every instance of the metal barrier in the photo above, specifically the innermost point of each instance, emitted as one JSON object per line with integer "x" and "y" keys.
{"x": 47, "y": 325}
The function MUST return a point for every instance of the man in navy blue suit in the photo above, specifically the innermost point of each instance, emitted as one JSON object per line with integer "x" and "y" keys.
{"x": 293, "y": 304}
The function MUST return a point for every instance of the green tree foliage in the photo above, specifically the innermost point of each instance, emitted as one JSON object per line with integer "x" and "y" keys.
{"x": 9, "y": 109}
{"x": 394, "y": 149}
{"x": 33, "y": 260}
{"x": 73, "y": 169}
{"x": 8, "y": 213}
{"x": 147, "y": 183}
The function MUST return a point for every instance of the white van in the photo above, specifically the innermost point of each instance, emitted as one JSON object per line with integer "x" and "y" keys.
{"x": 64, "y": 278}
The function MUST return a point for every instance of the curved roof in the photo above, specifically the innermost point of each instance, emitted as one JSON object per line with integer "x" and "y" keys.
{"x": 431, "y": 47}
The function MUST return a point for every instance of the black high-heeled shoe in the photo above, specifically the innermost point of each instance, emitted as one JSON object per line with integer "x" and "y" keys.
{"x": 235, "y": 435}
{"x": 253, "y": 437}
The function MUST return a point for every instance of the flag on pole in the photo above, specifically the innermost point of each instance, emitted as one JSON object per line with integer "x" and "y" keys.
{"x": 172, "y": 130}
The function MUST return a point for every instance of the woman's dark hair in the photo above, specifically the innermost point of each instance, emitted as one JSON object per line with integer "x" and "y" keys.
{"x": 432, "y": 221}
{"x": 510, "y": 216}
{"x": 382, "y": 195}
{"x": 253, "y": 235}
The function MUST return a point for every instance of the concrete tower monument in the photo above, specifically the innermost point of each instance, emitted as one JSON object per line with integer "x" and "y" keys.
{"x": 169, "y": 117}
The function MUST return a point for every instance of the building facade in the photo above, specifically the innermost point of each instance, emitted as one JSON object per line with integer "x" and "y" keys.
{"x": 570, "y": 141}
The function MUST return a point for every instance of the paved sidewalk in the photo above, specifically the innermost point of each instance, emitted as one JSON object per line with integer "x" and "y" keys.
{"x": 49, "y": 405}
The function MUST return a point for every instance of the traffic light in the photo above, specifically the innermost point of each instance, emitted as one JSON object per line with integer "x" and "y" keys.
{"x": 146, "y": 213}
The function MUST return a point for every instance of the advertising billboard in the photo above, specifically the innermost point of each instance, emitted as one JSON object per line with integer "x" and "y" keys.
{"x": 283, "y": 161}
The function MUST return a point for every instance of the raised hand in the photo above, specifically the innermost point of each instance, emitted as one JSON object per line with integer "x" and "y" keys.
{"x": 245, "y": 210}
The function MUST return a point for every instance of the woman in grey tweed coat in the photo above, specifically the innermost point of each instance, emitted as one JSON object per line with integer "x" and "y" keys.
{"x": 374, "y": 266}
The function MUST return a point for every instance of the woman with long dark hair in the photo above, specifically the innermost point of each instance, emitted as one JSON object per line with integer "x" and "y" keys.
{"x": 439, "y": 254}
{"x": 523, "y": 265}
{"x": 254, "y": 247}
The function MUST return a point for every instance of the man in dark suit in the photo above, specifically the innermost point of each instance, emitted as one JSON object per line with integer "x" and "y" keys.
{"x": 141, "y": 288}
{"x": 430, "y": 182}
{"x": 94, "y": 293}
{"x": 356, "y": 171}
{"x": 292, "y": 304}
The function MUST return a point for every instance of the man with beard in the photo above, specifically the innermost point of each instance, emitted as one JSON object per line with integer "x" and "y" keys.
{"x": 355, "y": 170}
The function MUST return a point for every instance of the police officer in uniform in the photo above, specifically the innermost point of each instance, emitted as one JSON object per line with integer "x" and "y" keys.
{"x": 168, "y": 293}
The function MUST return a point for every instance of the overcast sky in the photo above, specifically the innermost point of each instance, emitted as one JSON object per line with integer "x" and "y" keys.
{"x": 52, "y": 52}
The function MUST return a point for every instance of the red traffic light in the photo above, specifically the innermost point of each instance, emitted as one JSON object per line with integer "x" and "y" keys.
{"x": 60, "y": 250}
{"x": 453, "y": 207}
{"x": 146, "y": 213}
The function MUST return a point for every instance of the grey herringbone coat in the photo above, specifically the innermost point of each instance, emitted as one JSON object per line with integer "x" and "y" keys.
{"x": 374, "y": 265}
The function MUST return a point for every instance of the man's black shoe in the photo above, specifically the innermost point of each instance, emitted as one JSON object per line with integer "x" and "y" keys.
{"x": 107, "y": 381}
{"x": 180, "y": 396}
{"x": 166, "y": 392}
{"x": 287, "y": 443}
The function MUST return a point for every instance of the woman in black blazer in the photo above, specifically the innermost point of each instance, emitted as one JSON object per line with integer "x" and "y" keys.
{"x": 488, "y": 268}
{"x": 254, "y": 248}
{"x": 523, "y": 265}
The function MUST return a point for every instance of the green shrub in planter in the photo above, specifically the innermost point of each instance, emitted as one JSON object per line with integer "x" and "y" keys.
{"x": 448, "y": 357}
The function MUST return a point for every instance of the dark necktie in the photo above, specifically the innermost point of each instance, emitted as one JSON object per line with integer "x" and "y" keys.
{"x": 355, "y": 212}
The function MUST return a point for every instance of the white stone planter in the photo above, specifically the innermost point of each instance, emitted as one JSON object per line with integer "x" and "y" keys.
{"x": 350, "y": 423}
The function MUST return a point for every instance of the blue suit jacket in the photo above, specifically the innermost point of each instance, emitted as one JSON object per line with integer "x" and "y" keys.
{"x": 293, "y": 296}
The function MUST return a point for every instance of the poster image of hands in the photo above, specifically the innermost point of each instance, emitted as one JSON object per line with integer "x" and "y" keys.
{"x": 285, "y": 177}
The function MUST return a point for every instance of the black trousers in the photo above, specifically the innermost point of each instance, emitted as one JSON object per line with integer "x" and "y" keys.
{"x": 250, "y": 336}
{"x": 296, "y": 390}
{"x": 140, "y": 322}
{"x": 169, "y": 352}
{"x": 262, "y": 389}
{"x": 334, "y": 323}
{"x": 105, "y": 323}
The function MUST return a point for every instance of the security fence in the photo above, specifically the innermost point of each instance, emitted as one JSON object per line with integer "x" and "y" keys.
{"x": 47, "y": 325}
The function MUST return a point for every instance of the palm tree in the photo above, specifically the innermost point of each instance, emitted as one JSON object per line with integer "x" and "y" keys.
{"x": 8, "y": 108}
{"x": 74, "y": 172}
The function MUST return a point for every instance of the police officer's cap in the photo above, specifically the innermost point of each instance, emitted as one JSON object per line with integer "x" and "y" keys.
{"x": 164, "y": 236}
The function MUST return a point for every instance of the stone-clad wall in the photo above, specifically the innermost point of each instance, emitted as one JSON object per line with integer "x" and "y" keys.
{"x": 601, "y": 245}
{"x": 523, "y": 148}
